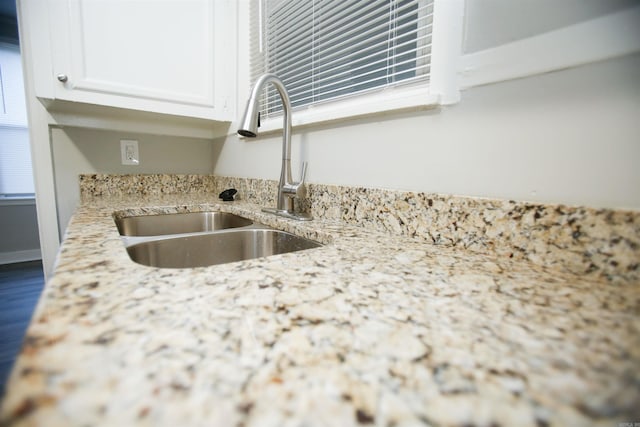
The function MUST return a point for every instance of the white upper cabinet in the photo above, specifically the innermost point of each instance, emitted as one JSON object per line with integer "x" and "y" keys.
{"x": 165, "y": 56}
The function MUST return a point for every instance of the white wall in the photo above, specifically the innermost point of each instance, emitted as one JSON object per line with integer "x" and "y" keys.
{"x": 83, "y": 151}
{"x": 492, "y": 23}
{"x": 568, "y": 136}
{"x": 19, "y": 231}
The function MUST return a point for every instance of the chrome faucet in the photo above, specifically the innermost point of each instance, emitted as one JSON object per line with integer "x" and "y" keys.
{"x": 287, "y": 189}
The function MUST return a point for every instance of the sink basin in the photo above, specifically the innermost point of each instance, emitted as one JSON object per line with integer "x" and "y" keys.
{"x": 217, "y": 248}
{"x": 157, "y": 225}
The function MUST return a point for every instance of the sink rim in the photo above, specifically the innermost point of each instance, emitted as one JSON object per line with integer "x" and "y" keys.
{"x": 129, "y": 241}
{"x": 206, "y": 217}
{"x": 250, "y": 231}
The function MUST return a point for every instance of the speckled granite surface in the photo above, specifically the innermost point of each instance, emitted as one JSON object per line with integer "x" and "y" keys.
{"x": 113, "y": 185}
{"x": 370, "y": 329}
{"x": 598, "y": 243}
{"x": 594, "y": 242}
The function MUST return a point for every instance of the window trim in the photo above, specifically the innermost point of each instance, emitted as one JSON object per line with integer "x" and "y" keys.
{"x": 14, "y": 119}
{"x": 441, "y": 89}
{"x": 604, "y": 37}
{"x": 18, "y": 200}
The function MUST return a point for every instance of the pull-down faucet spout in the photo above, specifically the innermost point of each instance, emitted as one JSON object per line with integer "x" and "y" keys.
{"x": 287, "y": 188}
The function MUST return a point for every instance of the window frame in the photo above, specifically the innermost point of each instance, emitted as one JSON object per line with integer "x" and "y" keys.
{"x": 14, "y": 117}
{"x": 441, "y": 89}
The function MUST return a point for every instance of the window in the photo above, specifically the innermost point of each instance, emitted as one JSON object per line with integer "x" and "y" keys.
{"x": 331, "y": 50}
{"x": 16, "y": 176}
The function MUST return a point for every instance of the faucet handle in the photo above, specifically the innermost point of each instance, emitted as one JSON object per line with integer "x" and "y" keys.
{"x": 300, "y": 188}
{"x": 303, "y": 174}
{"x": 297, "y": 189}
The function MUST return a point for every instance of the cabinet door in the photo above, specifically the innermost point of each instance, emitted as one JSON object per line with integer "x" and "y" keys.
{"x": 154, "y": 55}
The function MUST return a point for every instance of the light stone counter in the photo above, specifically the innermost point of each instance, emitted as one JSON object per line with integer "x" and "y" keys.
{"x": 370, "y": 329}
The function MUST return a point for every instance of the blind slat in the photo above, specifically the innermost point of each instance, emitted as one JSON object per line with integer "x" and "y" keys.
{"x": 339, "y": 46}
{"x": 286, "y": 11}
{"x": 16, "y": 176}
{"x": 306, "y": 96}
{"x": 329, "y": 49}
{"x": 335, "y": 40}
{"x": 332, "y": 70}
{"x": 337, "y": 56}
{"x": 336, "y": 29}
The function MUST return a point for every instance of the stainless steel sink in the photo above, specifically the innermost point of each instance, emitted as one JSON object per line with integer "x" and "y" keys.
{"x": 217, "y": 248}
{"x": 157, "y": 225}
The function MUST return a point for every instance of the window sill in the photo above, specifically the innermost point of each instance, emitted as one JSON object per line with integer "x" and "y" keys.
{"x": 385, "y": 101}
{"x": 17, "y": 200}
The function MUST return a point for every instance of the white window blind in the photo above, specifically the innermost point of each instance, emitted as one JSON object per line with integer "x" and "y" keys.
{"x": 16, "y": 175}
{"x": 325, "y": 50}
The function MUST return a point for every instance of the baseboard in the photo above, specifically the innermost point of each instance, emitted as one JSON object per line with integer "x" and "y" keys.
{"x": 20, "y": 256}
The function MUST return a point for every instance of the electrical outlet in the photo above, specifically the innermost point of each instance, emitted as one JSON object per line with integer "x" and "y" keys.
{"x": 129, "y": 152}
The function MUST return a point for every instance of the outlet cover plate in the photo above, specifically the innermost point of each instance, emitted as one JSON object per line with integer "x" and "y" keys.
{"x": 129, "y": 152}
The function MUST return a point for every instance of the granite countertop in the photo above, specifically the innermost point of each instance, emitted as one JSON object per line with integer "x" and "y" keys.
{"x": 370, "y": 329}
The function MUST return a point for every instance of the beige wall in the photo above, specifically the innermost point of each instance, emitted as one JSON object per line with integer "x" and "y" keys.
{"x": 78, "y": 151}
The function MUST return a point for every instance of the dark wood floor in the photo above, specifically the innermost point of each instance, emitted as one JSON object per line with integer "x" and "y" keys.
{"x": 20, "y": 288}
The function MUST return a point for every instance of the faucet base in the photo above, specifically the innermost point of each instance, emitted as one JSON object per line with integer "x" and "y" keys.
{"x": 299, "y": 216}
